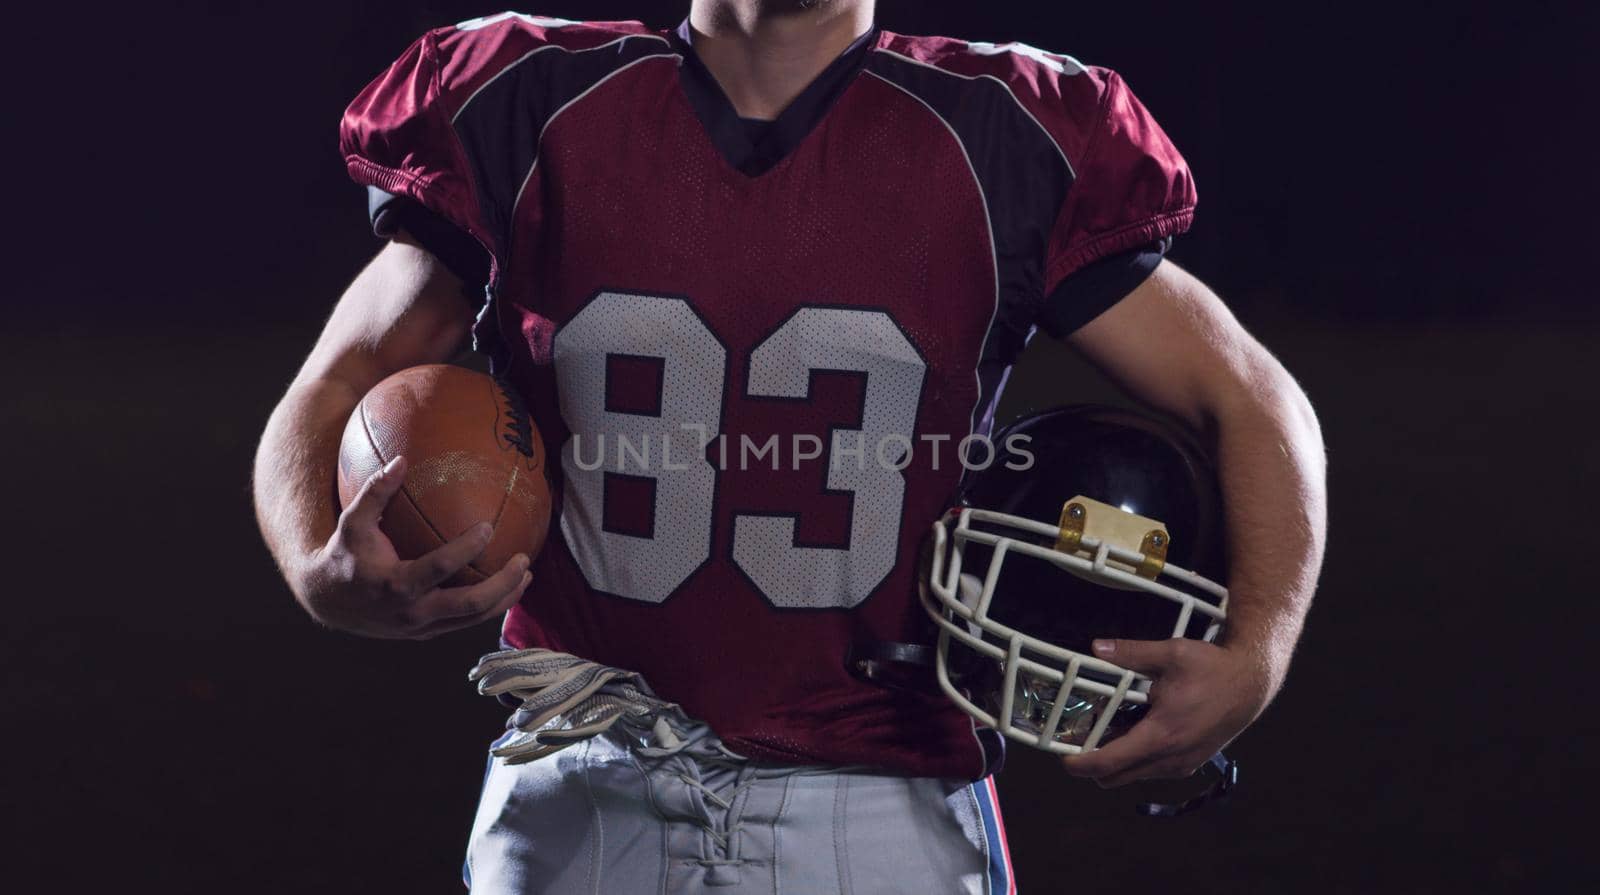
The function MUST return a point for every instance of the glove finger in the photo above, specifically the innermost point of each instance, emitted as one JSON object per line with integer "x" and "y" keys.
{"x": 537, "y": 710}
{"x": 532, "y": 661}
{"x": 505, "y": 680}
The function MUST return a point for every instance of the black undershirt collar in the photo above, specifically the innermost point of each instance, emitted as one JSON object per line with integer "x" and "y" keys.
{"x": 751, "y": 146}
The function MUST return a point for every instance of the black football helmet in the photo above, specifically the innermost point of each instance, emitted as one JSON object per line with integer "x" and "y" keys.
{"x": 1114, "y": 529}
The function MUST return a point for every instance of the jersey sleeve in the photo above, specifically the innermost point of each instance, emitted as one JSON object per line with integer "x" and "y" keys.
{"x": 460, "y": 253}
{"x": 1110, "y": 193}
{"x": 1130, "y": 188}
{"x": 397, "y": 137}
{"x": 1092, "y": 289}
{"x": 454, "y": 124}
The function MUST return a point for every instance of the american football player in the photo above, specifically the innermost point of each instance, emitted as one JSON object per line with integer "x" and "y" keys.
{"x": 760, "y": 279}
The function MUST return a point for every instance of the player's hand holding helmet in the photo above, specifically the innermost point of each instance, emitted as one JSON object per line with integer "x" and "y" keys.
{"x": 1114, "y": 530}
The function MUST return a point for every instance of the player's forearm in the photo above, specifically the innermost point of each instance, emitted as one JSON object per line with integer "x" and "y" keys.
{"x": 294, "y": 470}
{"x": 403, "y": 309}
{"x": 1272, "y": 468}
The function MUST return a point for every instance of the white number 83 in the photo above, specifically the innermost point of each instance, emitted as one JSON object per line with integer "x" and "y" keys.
{"x": 693, "y": 376}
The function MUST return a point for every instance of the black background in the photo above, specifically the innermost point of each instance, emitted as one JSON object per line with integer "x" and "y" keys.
{"x": 1399, "y": 200}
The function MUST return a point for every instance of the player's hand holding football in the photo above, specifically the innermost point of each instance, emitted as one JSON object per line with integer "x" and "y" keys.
{"x": 358, "y": 583}
{"x": 1203, "y": 696}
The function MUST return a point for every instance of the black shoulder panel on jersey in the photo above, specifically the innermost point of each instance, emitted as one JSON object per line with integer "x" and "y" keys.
{"x": 1024, "y": 178}
{"x": 1022, "y": 172}
{"x": 501, "y": 124}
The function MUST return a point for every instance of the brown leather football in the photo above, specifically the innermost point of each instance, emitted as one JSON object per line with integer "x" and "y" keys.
{"x": 472, "y": 455}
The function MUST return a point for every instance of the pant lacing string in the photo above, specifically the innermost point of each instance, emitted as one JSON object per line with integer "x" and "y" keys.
{"x": 690, "y": 749}
{"x": 562, "y": 699}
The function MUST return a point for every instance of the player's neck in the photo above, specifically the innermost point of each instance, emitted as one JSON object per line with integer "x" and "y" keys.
{"x": 763, "y": 53}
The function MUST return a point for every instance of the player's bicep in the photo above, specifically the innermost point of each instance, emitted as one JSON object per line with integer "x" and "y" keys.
{"x": 405, "y": 308}
{"x": 1174, "y": 345}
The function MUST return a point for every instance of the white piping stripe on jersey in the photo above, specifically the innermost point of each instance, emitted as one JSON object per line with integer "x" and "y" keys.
{"x": 531, "y": 53}
{"x": 482, "y": 22}
{"x": 1003, "y": 86}
{"x": 538, "y": 144}
{"x": 972, "y": 727}
{"x": 994, "y": 251}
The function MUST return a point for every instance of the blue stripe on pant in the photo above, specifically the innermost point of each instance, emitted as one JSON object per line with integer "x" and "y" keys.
{"x": 1000, "y": 880}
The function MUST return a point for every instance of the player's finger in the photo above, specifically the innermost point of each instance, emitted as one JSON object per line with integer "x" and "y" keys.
{"x": 497, "y": 611}
{"x": 1165, "y": 767}
{"x": 1148, "y": 657}
{"x": 376, "y": 492}
{"x": 1144, "y": 743}
{"x": 427, "y": 572}
{"x": 452, "y": 608}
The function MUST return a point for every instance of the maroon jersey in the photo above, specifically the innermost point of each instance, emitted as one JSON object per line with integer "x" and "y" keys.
{"x": 757, "y": 354}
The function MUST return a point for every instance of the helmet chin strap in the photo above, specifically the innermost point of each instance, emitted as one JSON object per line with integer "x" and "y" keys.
{"x": 899, "y": 666}
{"x": 1225, "y": 776}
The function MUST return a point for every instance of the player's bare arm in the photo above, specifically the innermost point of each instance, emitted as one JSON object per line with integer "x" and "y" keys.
{"x": 404, "y": 309}
{"x": 1214, "y": 376}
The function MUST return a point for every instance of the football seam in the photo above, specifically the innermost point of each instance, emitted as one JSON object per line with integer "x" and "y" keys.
{"x": 366, "y": 429}
{"x": 505, "y": 496}
{"x": 496, "y": 391}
